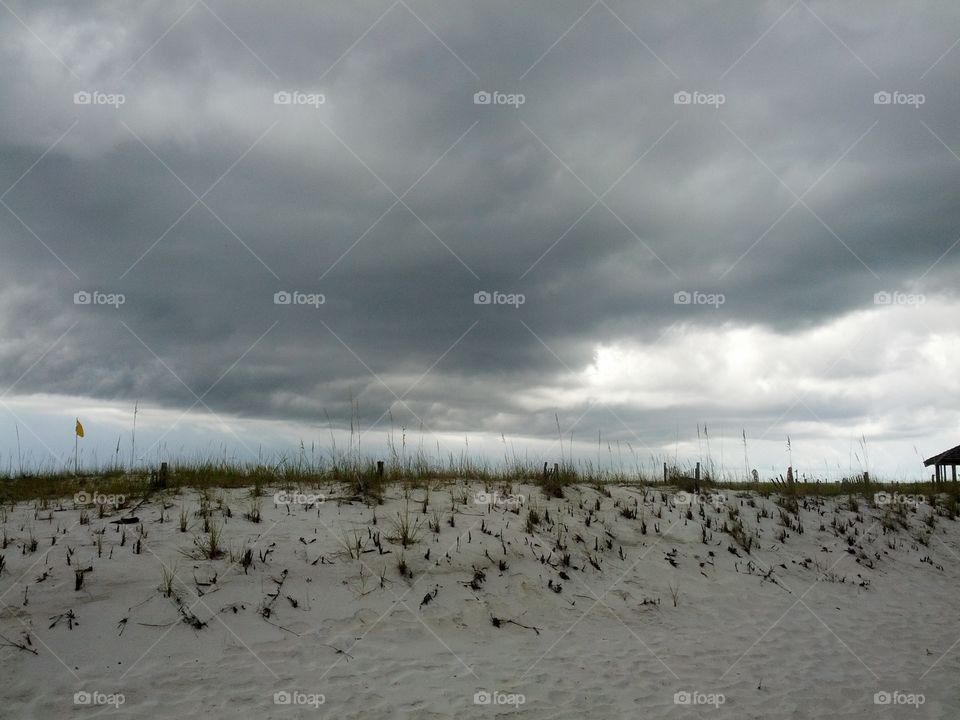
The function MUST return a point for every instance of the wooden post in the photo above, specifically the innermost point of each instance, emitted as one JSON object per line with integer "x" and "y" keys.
{"x": 696, "y": 475}
{"x": 379, "y": 468}
{"x": 544, "y": 469}
{"x": 954, "y": 473}
{"x": 158, "y": 478}
{"x": 664, "y": 472}
{"x": 556, "y": 469}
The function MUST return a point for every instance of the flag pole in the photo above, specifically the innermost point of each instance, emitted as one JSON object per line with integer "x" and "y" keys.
{"x": 77, "y": 434}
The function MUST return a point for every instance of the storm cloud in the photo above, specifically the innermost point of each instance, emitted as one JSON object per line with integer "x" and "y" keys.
{"x": 736, "y": 213}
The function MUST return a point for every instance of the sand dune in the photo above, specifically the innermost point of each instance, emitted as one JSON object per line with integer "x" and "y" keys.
{"x": 568, "y": 615}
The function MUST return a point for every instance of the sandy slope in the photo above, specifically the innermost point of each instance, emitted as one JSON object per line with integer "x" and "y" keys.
{"x": 816, "y": 637}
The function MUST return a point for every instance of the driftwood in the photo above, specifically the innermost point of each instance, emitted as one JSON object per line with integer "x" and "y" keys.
{"x": 68, "y": 616}
{"x": 266, "y": 608}
{"x": 20, "y": 646}
{"x": 500, "y": 622}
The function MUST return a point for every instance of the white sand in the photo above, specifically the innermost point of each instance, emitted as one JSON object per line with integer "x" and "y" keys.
{"x": 798, "y": 644}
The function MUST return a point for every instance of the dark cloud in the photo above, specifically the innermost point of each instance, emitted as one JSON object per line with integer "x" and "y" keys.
{"x": 398, "y": 198}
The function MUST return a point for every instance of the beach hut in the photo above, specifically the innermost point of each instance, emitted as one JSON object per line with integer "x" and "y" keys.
{"x": 948, "y": 458}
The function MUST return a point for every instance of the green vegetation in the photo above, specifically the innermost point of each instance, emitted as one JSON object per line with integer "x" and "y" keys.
{"x": 359, "y": 477}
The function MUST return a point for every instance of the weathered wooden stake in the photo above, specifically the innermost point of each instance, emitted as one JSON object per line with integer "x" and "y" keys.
{"x": 380, "y": 468}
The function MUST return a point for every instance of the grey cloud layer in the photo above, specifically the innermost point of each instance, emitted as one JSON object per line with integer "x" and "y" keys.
{"x": 298, "y": 208}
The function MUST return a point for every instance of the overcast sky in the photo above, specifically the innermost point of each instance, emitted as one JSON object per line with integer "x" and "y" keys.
{"x": 778, "y": 164}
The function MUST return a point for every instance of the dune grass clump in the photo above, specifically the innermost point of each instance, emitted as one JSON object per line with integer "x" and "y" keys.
{"x": 352, "y": 542}
{"x": 253, "y": 511}
{"x": 533, "y": 519}
{"x": 735, "y": 528}
{"x": 246, "y": 559}
{"x": 209, "y": 545}
{"x": 367, "y": 483}
{"x": 405, "y": 529}
{"x": 168, "y": 580}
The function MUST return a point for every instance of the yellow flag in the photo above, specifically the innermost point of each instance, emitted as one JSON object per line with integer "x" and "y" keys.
{"x": 79, "y": 428}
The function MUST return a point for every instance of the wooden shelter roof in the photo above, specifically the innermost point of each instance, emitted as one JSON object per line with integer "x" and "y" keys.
{"x": 947, "y": 457}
